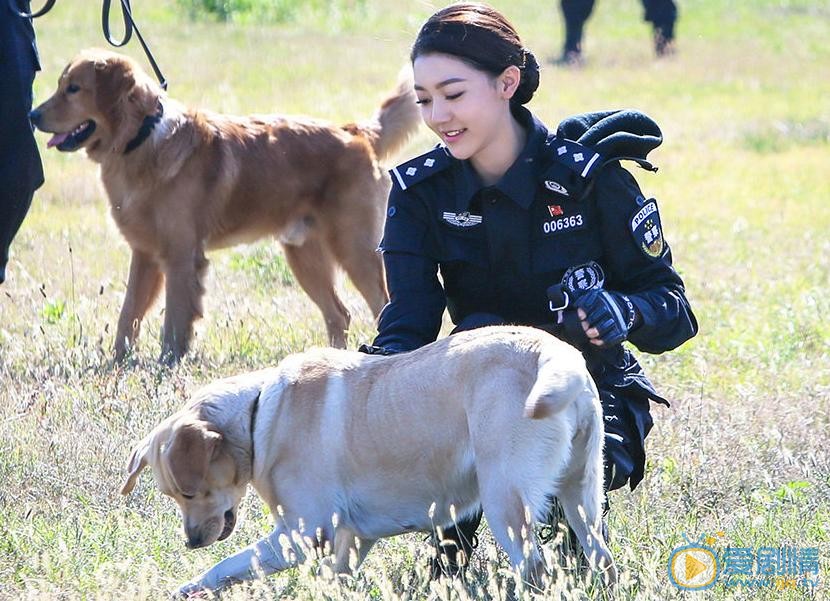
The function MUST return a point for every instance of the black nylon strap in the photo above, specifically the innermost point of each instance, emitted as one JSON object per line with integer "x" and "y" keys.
{"x": 144, "y": 131}
{"x": 129, "y": 26}
{"x": 13, "y": 4}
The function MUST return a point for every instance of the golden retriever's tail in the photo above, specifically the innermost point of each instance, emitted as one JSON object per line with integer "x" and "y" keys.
{"x": 395, "y": 121}
{"x": 561, "y": 378}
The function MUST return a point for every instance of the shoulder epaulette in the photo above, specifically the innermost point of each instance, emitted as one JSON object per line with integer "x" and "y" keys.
{"x": 420, "y": 168}
{"x": 578, "y": 158}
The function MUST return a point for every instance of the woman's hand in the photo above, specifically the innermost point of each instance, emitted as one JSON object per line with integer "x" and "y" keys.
{"x": 606, "y": 316}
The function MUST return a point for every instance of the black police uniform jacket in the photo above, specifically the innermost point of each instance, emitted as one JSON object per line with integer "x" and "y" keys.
{"x": 21, "y": 172}
{"x": 565, "y": 211}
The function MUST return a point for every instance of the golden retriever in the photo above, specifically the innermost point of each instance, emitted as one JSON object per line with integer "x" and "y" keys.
{"x": 346, "y": 448}
{"x": 183, "y": 181}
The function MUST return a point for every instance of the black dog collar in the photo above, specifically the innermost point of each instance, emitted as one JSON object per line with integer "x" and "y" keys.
{"x": 144, "y": 131}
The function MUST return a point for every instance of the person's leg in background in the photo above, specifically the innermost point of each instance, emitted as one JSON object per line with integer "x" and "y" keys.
{"x": 662, "y": 14}
{"x": 21, "y": 172}
{"x": 575, "y": 13}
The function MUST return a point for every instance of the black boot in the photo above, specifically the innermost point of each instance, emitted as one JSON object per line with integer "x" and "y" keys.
{"x": 453, "y": 548}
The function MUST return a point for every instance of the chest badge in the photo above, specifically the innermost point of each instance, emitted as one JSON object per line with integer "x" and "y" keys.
{"x": 556, "y": 187}
{"x": 647, "y": 229}
{"x": 465, "y": 219}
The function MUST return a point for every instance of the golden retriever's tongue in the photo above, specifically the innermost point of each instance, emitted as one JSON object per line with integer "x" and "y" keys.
{"x": 56, "y": 139}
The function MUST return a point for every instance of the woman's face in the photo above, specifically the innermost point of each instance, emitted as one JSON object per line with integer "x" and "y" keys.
{"x": 464, "y": 106}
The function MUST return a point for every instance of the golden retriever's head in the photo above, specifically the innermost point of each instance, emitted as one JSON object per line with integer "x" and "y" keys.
{"x": 192, "y": 465}
{"x": 100, "y": 104}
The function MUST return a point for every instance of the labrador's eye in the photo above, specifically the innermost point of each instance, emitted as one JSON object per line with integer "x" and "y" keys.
{"x": 72, "y": 88}
{"x": 188, "y": 497}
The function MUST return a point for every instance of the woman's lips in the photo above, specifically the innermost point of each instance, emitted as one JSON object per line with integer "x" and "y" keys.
{"x": 453, "y": 135}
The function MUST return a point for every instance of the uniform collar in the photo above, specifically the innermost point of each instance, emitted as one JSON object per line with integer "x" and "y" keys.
{"x": 520, "y": 181}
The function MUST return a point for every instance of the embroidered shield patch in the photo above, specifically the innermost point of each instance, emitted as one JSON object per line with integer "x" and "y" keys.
{"x": 647, "y": 230}
{"x": 583, "y": 277}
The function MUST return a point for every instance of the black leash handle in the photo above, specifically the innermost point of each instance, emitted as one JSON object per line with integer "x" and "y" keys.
{"x": 129, "y": 26}
{"x": 33, "y": 15}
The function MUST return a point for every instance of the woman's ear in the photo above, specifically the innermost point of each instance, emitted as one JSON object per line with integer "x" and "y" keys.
{"x": 508, "y": 82}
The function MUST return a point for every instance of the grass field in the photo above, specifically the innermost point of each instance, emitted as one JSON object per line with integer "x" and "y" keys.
{"x": 745, "y": 197}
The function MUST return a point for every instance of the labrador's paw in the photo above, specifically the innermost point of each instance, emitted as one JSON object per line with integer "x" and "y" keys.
{"x": 191, "y": 590}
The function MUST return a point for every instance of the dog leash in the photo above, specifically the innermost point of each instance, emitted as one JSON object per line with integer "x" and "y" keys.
{"x": 46, "y": 8}
{"x": 129, "y": 26}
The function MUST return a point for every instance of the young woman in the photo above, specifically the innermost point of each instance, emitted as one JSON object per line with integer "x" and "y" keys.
{"x": 529, "y": 227}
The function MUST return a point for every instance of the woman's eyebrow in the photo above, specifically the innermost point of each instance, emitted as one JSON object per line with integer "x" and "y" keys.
{"x": 446, "y": 82}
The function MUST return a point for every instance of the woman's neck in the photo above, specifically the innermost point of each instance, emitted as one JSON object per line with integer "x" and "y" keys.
{"x": 493, "y": 161}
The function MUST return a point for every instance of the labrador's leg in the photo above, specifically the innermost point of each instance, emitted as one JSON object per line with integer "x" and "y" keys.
{"x": 143, "y": 286}
{"x": 580, "y": 494}
{"x": 314, "y": 269}
{"x": 270, "y": 554}
{"x": 507, "y": 517}
{"x": 349, "y": 550}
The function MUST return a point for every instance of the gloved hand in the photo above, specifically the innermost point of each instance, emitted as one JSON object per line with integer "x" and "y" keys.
{"x": 374, "y": 350}
{"x": 607, "y": 316}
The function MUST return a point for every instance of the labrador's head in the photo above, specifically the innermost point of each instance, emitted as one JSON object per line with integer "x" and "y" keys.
{"x": 192, "y": 464}
{"x": 100, "y": 104}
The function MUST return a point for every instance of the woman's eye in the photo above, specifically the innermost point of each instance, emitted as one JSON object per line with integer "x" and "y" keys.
{"x": 454, "y": 96}
{"x": 72, "y": 88}
{"x": 188, "y": 497}
{"x": 422, "y": 101}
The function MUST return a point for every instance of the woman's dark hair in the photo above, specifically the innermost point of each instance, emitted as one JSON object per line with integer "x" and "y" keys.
{"x": 484, "y": 39}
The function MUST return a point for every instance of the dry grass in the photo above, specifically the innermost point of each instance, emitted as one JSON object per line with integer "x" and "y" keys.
{"x": 746, "y": 203}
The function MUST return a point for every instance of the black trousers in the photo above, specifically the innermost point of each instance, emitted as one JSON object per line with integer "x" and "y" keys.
{"x": 662, "y": 14}
{"x": 627, "y": 421}
{"x": 21, "y": 172}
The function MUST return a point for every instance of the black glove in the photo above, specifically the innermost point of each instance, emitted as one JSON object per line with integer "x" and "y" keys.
{"x": 374, "y": 350}
{"x": 612, "y": 314}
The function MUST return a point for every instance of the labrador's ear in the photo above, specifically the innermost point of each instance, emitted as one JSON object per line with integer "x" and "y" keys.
{"x": 189, "y": 453}
{"x": 136, "y": 463}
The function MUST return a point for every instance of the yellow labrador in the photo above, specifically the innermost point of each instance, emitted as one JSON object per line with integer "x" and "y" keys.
{"x": 347, "y": 448}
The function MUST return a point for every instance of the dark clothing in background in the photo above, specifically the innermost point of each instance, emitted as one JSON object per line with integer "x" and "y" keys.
{"x": 575, "y": 13}
{"x": 21, "y": 172}
{"x": 662, "y": 14}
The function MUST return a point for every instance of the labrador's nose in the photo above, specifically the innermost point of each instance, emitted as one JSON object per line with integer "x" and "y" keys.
{"x": 194, "y": 541}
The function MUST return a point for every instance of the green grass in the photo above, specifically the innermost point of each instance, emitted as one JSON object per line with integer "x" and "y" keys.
{"x": 745, "y": 198}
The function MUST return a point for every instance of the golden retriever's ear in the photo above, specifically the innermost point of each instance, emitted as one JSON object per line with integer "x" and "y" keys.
{"x": 136, "y": 463}
{"x": 126, "y": 95}
{"x": 189, "y": 453}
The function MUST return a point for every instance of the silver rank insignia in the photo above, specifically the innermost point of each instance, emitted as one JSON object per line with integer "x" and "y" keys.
{"x": 647, "y": 230}
{"x": 464, "y": 219}
{"x": 420, "y": 168}
{"x": 556, "y": 187}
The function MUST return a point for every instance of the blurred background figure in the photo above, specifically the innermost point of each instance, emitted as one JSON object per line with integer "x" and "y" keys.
{"x": 21, "y": 172}
{"x": 662, "y": 14}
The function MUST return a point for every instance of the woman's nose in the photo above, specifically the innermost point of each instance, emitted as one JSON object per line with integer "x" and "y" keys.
{"x": 440, "y": 112}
